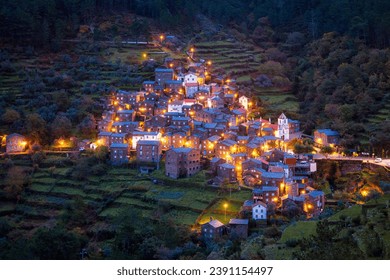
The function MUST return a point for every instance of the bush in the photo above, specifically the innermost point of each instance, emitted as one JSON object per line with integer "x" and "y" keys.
{"x": 292, "y": 243}
{"x": 99, "y": 169}
{"x": 272, "y": 232}
{"x": 4, "y": 227}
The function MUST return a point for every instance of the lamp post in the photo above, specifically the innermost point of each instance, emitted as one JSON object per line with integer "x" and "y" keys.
{"x": 225, "y": 206}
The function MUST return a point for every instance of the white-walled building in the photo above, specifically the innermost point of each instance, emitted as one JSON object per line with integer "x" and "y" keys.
{"x": 143, "y": 135}
{"x": 175, "y": 106}
{"x": 244, "y": 101}
{"x": 259, "y": 211}
{"x": 288, "y": 129}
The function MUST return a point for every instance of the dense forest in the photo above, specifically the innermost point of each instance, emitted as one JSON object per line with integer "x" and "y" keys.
{"x": 44, "y": 21}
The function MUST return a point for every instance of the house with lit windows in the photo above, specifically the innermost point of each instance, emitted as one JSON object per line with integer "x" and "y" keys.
{"x": 119, "y": 153}
{"x": 149, "y": 151}
{"x": 15, "y": 143}
{"x": 212, "y": 230}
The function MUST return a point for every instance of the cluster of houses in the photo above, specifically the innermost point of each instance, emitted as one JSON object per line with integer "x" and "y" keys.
{"x": 195, "y": 125}
{"x": 278, "y": 180}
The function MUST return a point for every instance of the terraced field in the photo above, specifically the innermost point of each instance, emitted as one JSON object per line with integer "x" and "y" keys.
{"x": 230, "y": 58}
{"x": 84, "y": 70}
{"x": 243, "y": 62}
{"x": 51, "y": 192}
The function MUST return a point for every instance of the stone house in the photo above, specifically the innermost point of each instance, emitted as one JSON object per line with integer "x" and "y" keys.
{"x": 125, "y": 116}
{"x": 227, "y": 171}
{"x": 119, "y": 153}
{"x": 119, "y": 138}
{"x": 214, "y": 163}
{"x": 148, "y": 86}
{"x": 225, "y": 148}
{"x": 326, "y": 137}
{"x": 238, "y": 228}
{"x": 124, "y": 127}
{"x": 149, "y": 151}
{"x": 104, "y": 138}
{"x": 182, "y": 162}
{"x": 162, "y": 75}
{"x": 15, "y": 143}
{"x": 212, "y": 230}
{"x": 266, "y": 194}
{"x": 173, "y": 85}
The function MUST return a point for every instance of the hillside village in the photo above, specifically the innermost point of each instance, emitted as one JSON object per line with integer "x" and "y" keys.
{"x": 194, "y": 124}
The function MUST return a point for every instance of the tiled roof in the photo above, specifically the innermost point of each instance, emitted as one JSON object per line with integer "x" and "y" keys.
{"x": 125, "y": 112}
{"x": 316, "y": 193}
{"x": 215, "y": 224}
{"x": 328, "y": 132}
{"x": 164, "y": 70}
{"x": 118, "y": 135}
{"x": 148, "y": 142}
{"x": 118, "y": 145}
{"x": 226, "y": 165}
{"x": 238, "y": 221}
{"x": 182, "y": 150}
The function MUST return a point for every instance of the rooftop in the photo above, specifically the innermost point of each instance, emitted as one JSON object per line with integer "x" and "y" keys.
{"x": 118, "y": 145}
{"x": 148, "y": 142}
{"x": 227, "y": 165}
{"x": 182, "y": 150}
{"x": 215, "y": 224}
{"x": 238, "y": 221}
{"x": 328, "y": 132}
{"x": 163, "y": 70}
{"x": 316, "y": 193}
{"x": 118, "y": 135}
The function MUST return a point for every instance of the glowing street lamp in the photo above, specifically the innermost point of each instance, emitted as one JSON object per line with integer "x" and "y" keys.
{"x": 225, "y": 206}
{"x": 209, "y": 62}
{"x": 144, "y": 55}
{"x": 161, "y": 38}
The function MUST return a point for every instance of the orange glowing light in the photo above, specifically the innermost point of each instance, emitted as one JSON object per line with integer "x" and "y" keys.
{"x": 192, "y": 50}
{"x": 144, "y": 55}
{"x": 209, "y": 62}
{"x": 171, "y": 65}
